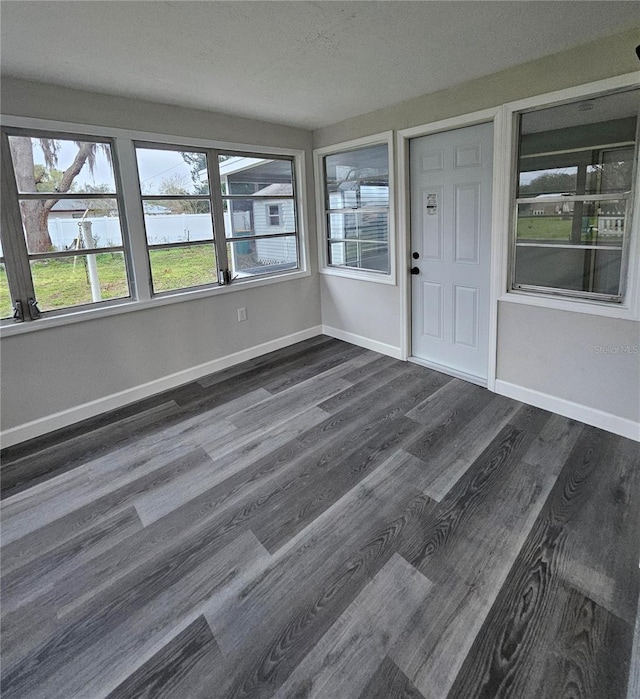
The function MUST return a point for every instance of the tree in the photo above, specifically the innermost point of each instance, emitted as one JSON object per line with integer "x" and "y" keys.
{"x": 176, "y": 185}
{"x": 549, "y": 183}
{"x": 35, "y": 213}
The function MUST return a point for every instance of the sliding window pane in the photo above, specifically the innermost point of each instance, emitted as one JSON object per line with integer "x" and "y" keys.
{"x": 357, "y": 178}
{"x": 71, "y": 224}
{"x": 263, "y": 256}
{"x": 590, "y": 270}
{"x": 60, "y": 165}
{"x": 369, "y": 256}
{"x": 366, "y": 225}
{"x": 172, "y": 172}
{"x": 182, "y": 267}
{"x": 256, "y": 176}
{"x": 577, "y": 222}
{"x": 64, "y": 282}
{"x": 177, "y": 220}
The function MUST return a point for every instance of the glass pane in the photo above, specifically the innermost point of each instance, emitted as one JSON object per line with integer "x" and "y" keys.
{"x": 549, "y": 182}
{"x": 244, "y": 217}
{"x": 596, "y": 271}
{"x": 180, "y": 268}
{"x": 613, "y": 174}
{"x": 368, "y": 225}
{"x": 177, "y": 220}
{"x": 369, "y": 256}
{"x": 578, "y": 222}
{"x": 71, "y": 224}
{"x": 358, "y": 178}
{"x": 251, "y": 257}
{"x": 579, "y": 148}
{"x": 62, "y": 165}
{"x": 71, "y": 281}
{"x": 6, "y": 307}
{"x": 172, "y": 171}
{"x": 260, "y": 176}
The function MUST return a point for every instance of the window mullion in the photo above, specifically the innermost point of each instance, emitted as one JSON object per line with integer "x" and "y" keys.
{"x": 14, "y": 244}
{"x": 217, "y": 211}
{"x": 134, "y": 217}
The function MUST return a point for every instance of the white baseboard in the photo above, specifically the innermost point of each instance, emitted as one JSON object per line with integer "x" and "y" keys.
{"x": 64, "y": 418}
{"x": 361, "y": 341}
{"x": 567, "y": 408}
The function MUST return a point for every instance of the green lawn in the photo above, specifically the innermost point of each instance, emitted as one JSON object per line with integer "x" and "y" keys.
{"x": 61, "y": 283}
{"x": 555, "y": 228}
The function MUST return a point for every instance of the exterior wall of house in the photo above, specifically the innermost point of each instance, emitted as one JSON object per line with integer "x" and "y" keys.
{"x": 89, "y": 362}
{"x": 558, "y": 358}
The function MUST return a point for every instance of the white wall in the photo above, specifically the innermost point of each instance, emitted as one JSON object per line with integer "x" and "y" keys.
{"x": 60, "y": 369}
{"x": 373, "y": 311}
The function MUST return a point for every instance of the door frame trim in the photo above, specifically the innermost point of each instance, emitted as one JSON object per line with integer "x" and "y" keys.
{"x": 498, "y": 117}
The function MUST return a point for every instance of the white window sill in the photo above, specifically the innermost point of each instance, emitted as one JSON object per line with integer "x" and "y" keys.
{"x": 9, "y": 329}
{"x": 597, "y": 308}
{"x": 360, "y": 275}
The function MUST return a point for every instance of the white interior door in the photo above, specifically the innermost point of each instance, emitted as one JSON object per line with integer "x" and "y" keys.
{"x": 451, "y": 181}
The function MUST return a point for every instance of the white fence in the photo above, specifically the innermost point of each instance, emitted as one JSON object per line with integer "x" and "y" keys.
{"x": 171, "y": 228}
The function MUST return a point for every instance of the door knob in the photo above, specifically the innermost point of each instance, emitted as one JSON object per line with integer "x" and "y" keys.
{"x": 415, "y": 270}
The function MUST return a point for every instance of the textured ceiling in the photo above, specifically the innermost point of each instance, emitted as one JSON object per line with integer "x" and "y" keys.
{"x": 307, "y": 64}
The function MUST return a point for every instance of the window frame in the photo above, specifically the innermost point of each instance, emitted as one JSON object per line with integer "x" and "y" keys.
{"x": 573, "y": 198}
{"x": 18, "y": 254}
{"x": 132, "y": 221}
{"x": 629, "y": 306}
{"x": 319, "y": 154}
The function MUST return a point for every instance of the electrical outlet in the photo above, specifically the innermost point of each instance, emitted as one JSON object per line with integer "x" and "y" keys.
{"x": 242, "y": 314}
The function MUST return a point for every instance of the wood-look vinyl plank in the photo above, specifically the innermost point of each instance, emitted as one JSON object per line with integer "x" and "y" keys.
{"x": 633, "y": 687}
{"x": 445, "y": 425}
{"x": 304, "y": 395}
{"x": 310, "y": 367}
{"x": 454, "y": 394}
{"x": 228, "y": 508}
{"x": 530, "y": 549}
{"x": 56, "y": 459}
{"x": 389, "y": 682}
{"x": 228, "y": 457}
{"x": 323, "y": 483}
{"x": 467, "y": 547}
{"x": 364, "y": 387}
{"x": 604, "y": 536}
{"x": 344, "y": 659}
{"x": 447, "y": 464}
{"x": 268, "y": 365}
{"x": 25, "y": 629}
{"x": 102, "y": 644}
{"x": 48, "y": 501}
{"x": 498, "y": 662}
{"x": 182, "y": 668}
{"x": 267, "y": 627}
{"x": 36, "y": 578}
{"x": 39, "y": 543}
{"x": 585, "y": 661}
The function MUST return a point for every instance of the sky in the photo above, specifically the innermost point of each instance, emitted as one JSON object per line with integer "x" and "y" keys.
{"x": 154, "y": 167}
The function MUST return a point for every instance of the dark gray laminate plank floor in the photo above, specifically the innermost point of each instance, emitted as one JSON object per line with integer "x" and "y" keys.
{"x": 322, "y": 522}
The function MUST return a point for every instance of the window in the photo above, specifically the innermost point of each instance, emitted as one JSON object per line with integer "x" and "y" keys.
{"x": 273, "y": 212}
{"x": 260, "y": 218}
{"x": 355, "y": 216}
{"x": 64, "y": 206}
{"x": 199, "y": 218}
{"x": 178, "y": 217}
{"x": 575, "y": 175}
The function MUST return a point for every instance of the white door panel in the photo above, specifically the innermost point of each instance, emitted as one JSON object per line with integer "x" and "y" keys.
{"x": 451, "y": 181}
